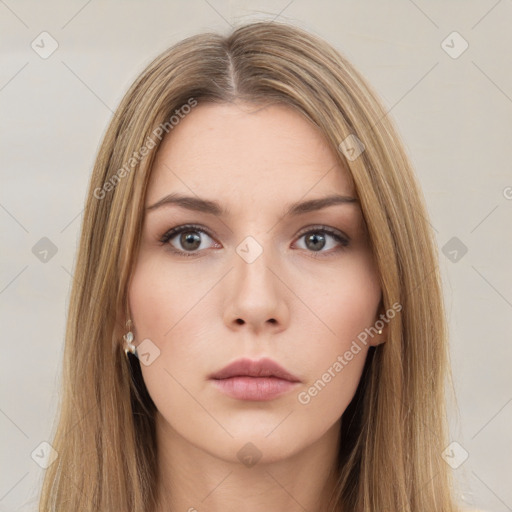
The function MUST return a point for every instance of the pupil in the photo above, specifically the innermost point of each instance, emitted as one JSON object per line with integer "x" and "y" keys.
{"x": 190, "y": 238}
{"x": 315, "y": 238}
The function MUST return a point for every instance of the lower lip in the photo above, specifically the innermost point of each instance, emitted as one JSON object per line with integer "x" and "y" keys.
{"x": 254, "y": 388}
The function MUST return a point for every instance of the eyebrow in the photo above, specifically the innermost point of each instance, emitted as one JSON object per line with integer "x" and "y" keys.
{"x": 213, "y": 207}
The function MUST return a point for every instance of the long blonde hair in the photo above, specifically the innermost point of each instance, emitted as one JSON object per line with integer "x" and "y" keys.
{"x": 393, "y": 432}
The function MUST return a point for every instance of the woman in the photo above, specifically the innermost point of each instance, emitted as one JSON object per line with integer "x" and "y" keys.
{"x": 256, "y": 321}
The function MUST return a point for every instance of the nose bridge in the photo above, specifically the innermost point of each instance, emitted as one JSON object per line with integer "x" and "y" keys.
{"x": 257, "y": 297}
{"x": 253, "y": 260}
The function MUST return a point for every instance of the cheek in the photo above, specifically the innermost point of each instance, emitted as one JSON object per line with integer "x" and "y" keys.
{"x": 345, "y": 305}
{"x": 167, "y": 304}
{"x": 345, "y": 299}
{"x": 162, "y": 297}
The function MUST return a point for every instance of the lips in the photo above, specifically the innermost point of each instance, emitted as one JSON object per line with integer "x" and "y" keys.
{"x": 249, "y": 368}
{"x": 261, "y": 380}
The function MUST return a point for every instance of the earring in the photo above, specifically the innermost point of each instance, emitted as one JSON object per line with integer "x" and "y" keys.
{"x": 128, "y": 338}
{"x": 379, "y": 331}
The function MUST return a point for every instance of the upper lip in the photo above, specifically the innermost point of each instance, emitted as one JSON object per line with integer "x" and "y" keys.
{"x": 248, "y": 368}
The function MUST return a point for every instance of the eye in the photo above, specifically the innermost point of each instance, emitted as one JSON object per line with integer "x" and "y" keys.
{"x": 189, "y": 241}
{"x": 317, "y": 239}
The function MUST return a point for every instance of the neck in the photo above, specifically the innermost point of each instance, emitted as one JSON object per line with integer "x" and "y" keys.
{"x": 192, "y": 479}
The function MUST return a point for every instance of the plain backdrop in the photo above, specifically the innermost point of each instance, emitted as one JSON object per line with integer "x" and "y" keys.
{"x": 442, "y": 68}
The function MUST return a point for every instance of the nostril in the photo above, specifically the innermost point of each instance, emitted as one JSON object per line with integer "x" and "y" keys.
{"x": 239, "y": 321}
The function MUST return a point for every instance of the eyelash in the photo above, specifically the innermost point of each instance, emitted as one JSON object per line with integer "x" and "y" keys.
{"x": 344, "y": 241}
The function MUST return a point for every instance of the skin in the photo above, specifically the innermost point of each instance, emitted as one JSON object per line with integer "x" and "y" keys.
{"x": 204, "y": 311}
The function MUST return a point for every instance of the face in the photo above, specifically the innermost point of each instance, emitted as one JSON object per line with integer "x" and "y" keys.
{"x": 257, "y": 279}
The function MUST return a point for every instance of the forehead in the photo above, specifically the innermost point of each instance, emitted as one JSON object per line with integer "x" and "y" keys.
{"x": 242, "y": 153}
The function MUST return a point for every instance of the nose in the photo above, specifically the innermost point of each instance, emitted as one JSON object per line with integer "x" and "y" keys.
{"x": 257, "y": 295}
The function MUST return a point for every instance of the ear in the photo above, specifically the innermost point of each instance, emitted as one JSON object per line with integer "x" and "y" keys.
{"x": 380, "y": 325}
{"x": 378, "y": 339}
{"x": 122, "y": 319}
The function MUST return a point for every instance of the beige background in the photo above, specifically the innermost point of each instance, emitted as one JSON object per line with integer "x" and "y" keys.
{"x": 454, "y": 115}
